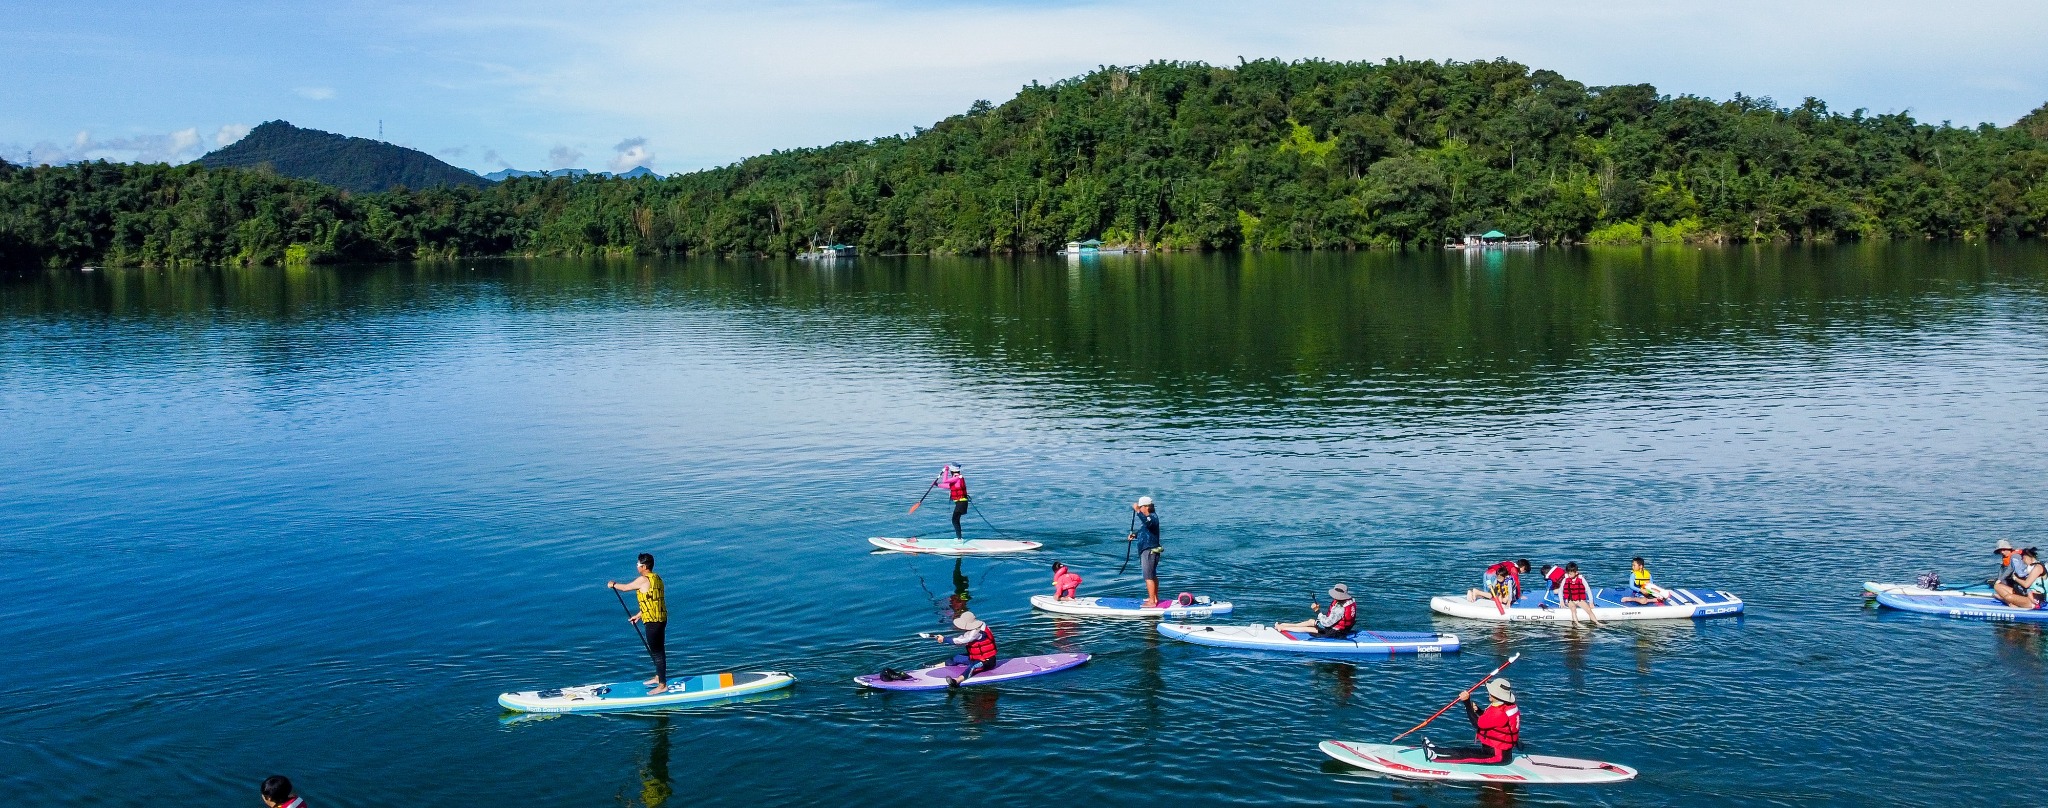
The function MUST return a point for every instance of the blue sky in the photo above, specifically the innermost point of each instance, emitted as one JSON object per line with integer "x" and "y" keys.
{"x": 679, "y": 85}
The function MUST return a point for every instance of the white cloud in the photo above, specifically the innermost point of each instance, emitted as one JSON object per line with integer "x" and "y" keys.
{"x": 631, "y": 153}
{"x": 314, "y": 93}
{"x": 563, "y": 157}
{"x": 181, "y": 146}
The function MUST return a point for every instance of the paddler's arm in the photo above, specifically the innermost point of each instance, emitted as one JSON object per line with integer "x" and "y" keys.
{"x": 637, "y": 585}
{"x": 1471, "y": 710}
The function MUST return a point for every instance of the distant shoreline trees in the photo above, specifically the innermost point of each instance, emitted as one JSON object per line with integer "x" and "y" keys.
{"x": 1268, "y": 155}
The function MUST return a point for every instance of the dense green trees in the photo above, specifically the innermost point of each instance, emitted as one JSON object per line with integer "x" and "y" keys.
{"x": 1268, "y": 155}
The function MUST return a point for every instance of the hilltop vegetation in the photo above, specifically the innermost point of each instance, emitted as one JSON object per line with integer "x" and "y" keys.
{"x": 1267, "y": 155}
{"x": 348, "y": 163}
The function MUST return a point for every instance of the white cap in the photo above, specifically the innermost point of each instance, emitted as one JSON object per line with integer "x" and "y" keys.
{"x": 1142, "y": 501}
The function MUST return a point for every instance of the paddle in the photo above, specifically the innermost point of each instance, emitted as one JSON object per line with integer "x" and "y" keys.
{"x": 636, "y": 626}
{"x": 927, "y": 492}
{"x": 1454, "y": 702}
{"x": 1130, "y": 539}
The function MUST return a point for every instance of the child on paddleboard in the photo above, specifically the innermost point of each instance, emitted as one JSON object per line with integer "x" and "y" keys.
{"x": 1497, "y": 728}
{"x": 981, "y": 647}
{"x": 1641, "y": 590}
{"x": 2026, "y": 586}
{"x": 1576, "y": 595}
{"x": 1502, "y": 582}
{"x": 1065, "y": 582}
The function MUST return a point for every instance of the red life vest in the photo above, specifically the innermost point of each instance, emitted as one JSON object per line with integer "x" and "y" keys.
{"x": 1350, "y": 616}
{"x": 956, "y": 486}
{"x": 983, "y": 648}
{"x": 1500, "y": 726}
{"x": 1575, "y": 588}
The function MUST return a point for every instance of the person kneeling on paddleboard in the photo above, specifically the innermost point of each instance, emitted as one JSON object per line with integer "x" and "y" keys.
{"x": 1502, "y": 582}
{"x": 1065, "y": 582}
{"x": 956, "y": 488}
{"x": 1641, "y": 590}
{"x": 981, "y": 647}
{"x": 653, "y": 616}
{"x": 1498, "y": 727}
{"x": 1335, "y": 623}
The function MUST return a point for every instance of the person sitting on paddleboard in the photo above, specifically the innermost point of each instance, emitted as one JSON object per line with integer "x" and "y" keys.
{"x": 1498, "y": 729}
{"x": 2026, "y": 588}
{"x": 956, "y": 487}
{"x": 1502, "y": 582}
{"x": 1336, "y": 622}
{"x": 1575, "y": 594}
{"x": 2008, "y": 562}
{"x": 277, "y": 792}
{"x": 1065, "y": 582}
{"x": 1641, "y": 590}
{"x": 1149, "y": 550}
{"x": 981, "y": 647}
{"x": 653, "y": 616}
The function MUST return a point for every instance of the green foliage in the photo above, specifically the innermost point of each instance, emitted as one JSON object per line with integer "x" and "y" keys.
{"x": 1267, "y": 155}
{"x": 348, "y": 163}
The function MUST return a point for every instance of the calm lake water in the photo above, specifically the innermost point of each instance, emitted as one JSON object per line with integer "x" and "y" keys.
{"x": 312, "y": 522}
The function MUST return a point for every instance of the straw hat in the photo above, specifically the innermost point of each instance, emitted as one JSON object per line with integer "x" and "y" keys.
{"x": 967, "y": 622}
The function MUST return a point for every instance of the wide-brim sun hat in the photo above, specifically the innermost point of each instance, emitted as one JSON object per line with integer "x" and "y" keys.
{"x": 967, "y": 622}
{"x": 2002, "y": 545}
{"x": 1501, "y": 690}
{"x": 1340, "y": 592}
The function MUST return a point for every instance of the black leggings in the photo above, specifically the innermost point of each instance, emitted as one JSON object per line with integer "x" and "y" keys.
{"x": 657, "y": 647}
{"x": 959, "y": 510}
{"x": 1477, "y": 755}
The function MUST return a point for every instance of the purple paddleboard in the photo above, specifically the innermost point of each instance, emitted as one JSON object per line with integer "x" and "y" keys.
{"x": 1012, "y": 668}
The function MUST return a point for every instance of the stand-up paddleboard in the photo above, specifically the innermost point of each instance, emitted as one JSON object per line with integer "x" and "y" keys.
{"x": 934, "y": 678}
{"x": 954, "y": 546}
{"x": 1978, "y": 591}
{"x": 682, "y": 691}
{"x": 1409, "y": 763}
{"x": 1129, "y": 607}
{"x": 1679, "y": 604}
{"x": 1267, "y": 638}
{"x": 1963, "y": 606}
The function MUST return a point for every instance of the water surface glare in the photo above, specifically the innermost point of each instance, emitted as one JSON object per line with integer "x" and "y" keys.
{"x": 313, "y": 521}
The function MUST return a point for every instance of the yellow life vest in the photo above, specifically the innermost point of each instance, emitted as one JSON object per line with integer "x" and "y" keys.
{"x": 1642, "y": 579}
{"x": 653, "y": 609}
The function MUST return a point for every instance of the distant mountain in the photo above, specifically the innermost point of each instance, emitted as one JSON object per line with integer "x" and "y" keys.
{"x": 501, "y": 176}
{"x": 351, "y": 163}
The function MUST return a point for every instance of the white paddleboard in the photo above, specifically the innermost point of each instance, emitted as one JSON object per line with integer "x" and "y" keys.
{"x": 954, "y": 546}
{"x": 1978, "y": 591}
{"x": 1409, "y": 763}
{"x": 681, "y": 691}
{"x": 1537, "y": 605}
{"x": 1128, "y": 607}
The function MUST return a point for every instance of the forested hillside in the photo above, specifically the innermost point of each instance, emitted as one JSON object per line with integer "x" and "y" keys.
{"x": 1266, "y": 155}
{"x": 348, "y": 163}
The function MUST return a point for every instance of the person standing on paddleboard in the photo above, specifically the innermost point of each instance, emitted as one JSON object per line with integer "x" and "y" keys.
{"x": 956, "y": 487}
{"x": 1149, "y": 550}
{"x": 981, "y": 647}
{"x": 653, "y": 617}
{"x": 1498, "y": 727}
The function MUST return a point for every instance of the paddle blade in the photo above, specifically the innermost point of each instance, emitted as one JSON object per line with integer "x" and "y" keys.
{"x": 915, "y": 506}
